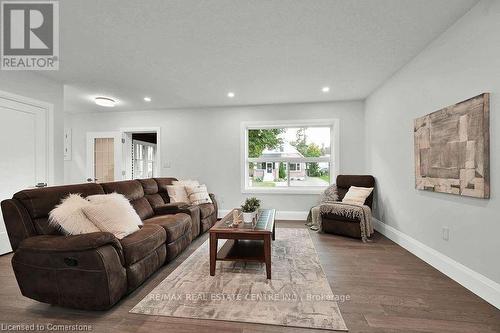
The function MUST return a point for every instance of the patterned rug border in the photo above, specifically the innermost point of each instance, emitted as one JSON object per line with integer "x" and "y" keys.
{"x": 221, "y": 242}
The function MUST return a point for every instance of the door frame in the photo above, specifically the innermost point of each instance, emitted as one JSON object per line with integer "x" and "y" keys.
{"x": 127, "y": 148}
{"x": 49, "y": 130}
{"x": 117, "y": 136}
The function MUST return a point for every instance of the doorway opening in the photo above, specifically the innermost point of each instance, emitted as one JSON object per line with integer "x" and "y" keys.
{"x": 141, "y": 156}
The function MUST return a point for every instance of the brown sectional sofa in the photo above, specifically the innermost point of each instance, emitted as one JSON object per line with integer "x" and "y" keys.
{"x": 94, "y": 271}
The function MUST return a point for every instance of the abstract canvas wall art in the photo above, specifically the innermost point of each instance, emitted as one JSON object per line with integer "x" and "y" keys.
{"x": 452, "y": 149}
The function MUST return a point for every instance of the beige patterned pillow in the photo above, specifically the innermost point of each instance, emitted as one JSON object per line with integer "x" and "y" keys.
{"x": 177, "y": 193}
{"x": 357, "y": 195}
{"x": 117, "y": 197}
{"x": 113, "y": 214}
{"x": 198, "y": 194}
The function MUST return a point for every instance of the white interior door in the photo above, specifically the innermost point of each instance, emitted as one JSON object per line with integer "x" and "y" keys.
{"x": 104, "y": 157}
{"x": 23, "y": 150}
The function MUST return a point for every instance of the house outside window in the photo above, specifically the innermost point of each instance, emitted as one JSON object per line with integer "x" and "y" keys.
{"x": 289, "y": 157}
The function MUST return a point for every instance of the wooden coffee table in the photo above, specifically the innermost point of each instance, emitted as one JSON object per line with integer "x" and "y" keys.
{"x": 246, "y": 242}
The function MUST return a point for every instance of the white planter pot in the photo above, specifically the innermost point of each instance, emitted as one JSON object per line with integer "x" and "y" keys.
{"x": 248, "y": 217}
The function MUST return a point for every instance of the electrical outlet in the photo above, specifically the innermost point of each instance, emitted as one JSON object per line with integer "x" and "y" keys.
{"x": 446, "y": 233}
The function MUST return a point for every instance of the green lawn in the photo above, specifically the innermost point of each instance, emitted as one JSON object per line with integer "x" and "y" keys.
{"x": 263, "y": 184}
{"x": 326, "y": 178}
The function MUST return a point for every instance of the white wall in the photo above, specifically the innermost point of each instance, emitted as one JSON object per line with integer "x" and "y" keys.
{"x": 462, "y": 63}
{"x": 32, "y": 85}
{"x": 205, "y": 143}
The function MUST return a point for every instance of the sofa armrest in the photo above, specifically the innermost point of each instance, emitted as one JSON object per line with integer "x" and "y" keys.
{"x": 72, "y": 243}
{"x": 216, "y": 207}
{"x": 80, "y": 271}
{"x": 170, "y": 208}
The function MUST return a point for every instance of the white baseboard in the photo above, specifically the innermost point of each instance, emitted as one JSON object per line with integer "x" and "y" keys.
{"x": 280, "y": 214}
{"x": 4, "y": 243}
{"x": 479, "y": 284}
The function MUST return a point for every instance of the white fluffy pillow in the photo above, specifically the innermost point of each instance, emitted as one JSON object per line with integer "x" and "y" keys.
{"x": 119, "y": 199}
{"x": 69, "y": 216}
{"x": 186, "y": 182}
{"x": 357, "y": 195}
{"x": 198, "y": 194}
{"x": 113, "y": 213}
{"x": 177, "y": 193}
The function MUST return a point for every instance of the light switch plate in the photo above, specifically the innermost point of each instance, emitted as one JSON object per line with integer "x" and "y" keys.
{"x": 446, "y": 233}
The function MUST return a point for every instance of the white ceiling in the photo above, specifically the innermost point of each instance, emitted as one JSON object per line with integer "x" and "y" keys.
{"x": 187, "y": 53}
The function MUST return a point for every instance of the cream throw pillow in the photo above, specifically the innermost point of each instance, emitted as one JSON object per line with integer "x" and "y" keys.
{"x": 187, "y": 182}
{"x": 119, "y": 198}
{"x": 357, "y": 195}
{"x": 113, "y": 213}
{"x": 177, "y": 193}
{"x": 69, "y": 217}
{"x": 198, "y": 194}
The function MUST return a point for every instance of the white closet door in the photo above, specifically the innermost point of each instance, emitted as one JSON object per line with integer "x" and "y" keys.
{"x": 23, "y": 151}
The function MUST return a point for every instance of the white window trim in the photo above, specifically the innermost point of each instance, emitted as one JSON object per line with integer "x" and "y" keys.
{"x": 334, "y": 158}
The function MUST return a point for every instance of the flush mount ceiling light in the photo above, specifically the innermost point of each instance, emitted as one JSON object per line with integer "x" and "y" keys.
{"x": 147, "y": 99}
{"x": 230, "y": 94}
{"x": 105, "y": 101}
{"x": 325, "y": 89}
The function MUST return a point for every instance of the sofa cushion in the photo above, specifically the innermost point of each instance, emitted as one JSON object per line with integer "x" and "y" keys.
{"x": 163, "y": 183}
{"x": 175, "y": 225}
{"x": 133, "y": 191}
{"x": 149, "y": 186}
{"x": 40, "y": 201}
{"x": 155, "y": 200}
{"x": 143, "y": 208}
{"x": 141, "y": 243}
{"x": 137, "y": 273}
{"x": 206, "y": 210}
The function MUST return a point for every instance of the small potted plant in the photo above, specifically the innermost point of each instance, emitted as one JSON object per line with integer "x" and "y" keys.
{"x": 255, "y": 203}
{"x": 249, "y": 208}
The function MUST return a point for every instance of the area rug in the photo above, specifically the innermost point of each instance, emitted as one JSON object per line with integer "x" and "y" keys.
{"x": 298, "y": 294}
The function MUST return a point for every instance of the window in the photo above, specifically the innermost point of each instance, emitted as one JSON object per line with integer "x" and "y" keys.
{"x": 289, "y": 157}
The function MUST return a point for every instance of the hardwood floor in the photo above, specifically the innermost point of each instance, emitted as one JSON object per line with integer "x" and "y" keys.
{"x": 386, "y": 289}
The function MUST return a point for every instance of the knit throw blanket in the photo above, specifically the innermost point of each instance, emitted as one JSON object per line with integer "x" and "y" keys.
{"x": 362, "y": 213}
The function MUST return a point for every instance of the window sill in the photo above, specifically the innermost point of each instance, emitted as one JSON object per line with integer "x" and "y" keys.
{"x": 305, "y": 190}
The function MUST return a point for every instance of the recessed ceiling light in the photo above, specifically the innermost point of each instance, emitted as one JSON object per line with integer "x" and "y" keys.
{"x": 105, "y": 101}
{"x": 325, "y": 89}
{"x": 230, "y": 94}
{"x": 147, "y": 99}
